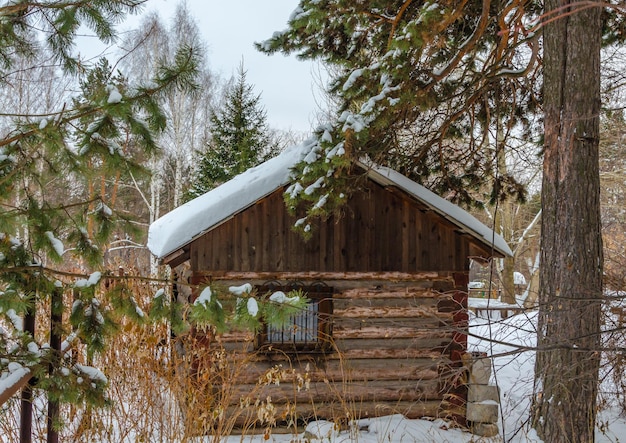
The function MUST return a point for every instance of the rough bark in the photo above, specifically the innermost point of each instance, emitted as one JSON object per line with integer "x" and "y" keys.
{"x": 571, "y": 273}
{"x": 508, "y": 280}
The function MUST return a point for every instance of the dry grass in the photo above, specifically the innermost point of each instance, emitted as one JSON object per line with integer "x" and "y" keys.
{"x": 164, "y": 389}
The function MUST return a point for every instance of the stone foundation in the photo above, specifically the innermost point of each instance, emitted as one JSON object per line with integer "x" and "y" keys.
{"x": 483, "y": 399}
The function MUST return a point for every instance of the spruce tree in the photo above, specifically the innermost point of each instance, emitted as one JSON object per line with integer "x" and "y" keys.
{"x": 51, "y": 220}
{"x": 239, "y": 137}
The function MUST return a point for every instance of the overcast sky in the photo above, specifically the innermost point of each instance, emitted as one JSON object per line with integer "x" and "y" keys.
{"x": 288, "y": 86}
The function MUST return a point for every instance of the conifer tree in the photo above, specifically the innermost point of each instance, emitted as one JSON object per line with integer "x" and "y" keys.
{"x": 239, "y": 137}
{"x": 416, "y": 85}
{"x": 49, "y": 219}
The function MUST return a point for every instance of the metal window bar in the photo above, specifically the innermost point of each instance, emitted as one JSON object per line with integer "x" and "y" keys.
{"x": 302, "y": 330}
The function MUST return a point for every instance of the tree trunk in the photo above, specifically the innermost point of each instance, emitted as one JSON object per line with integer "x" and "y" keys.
{"x": 532, "y": 290}
{"x": 566, "y": 371}
{"x": 504, "y": 223}
{"x": 56, "y": 320}
{"x": 508, "y": 281}
{"x": 26, "y": 403}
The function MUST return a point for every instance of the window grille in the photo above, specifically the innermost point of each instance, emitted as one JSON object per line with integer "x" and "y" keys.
{"x": 304, "y": 328}
{"x": 309, "y": 330}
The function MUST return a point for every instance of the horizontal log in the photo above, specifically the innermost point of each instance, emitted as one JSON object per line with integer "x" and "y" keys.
{"x": 239, "y": 347}
{"x": 339, "y": 372}
{"x": 363, "y": 332}
{"x": 390, "y": 353}
{"x": 260, "y": 365}
{"x": 431, "y": 323}
{"x": 279, "y": 357}
{"x": 378, "y": 391}
{"x": 357, "y": 345}
{"x": 235, "y": 336}
{"x": 426, "y": 303}
{"x": 346, "y": 376}
{"x": 387, "y": 312}
{"x": 338, "y": 412}
{"x": 412, "y": 364}
{"x": 372, "y": 332}
{"x": 389, "y": 293}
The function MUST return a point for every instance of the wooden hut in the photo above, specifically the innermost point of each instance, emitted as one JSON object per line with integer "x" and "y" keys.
{"x": 385, "y": 332}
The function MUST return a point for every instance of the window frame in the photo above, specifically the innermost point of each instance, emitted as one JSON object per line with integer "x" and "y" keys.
{"x": 318, "y": 293}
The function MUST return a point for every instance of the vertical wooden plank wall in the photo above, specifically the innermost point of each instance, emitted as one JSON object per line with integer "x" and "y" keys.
{"x": 381, "y": 230}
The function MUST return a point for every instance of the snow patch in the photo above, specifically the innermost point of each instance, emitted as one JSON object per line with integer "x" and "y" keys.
{"x": 16, "y": 320}
{"x": 321, "y": 202}
{"x": 33, "y": 348}
{"x": 104, "y": 209}
{"x": 204, "y": 298}
{"x": 55, "y": 242}
{"x": 352, "y": 78}
{"x": 314, "y": 186}
{"x": 294, "y": 189}
{"x": 93, "y": 280}
{"x": 518, "y": 278}
{"x": 91, "y": 372}
{"x": 253, "y": 307}
{"x": 241, "y": 290}
{"x": 114, "y": 95}
{"x": 282, "y": 298}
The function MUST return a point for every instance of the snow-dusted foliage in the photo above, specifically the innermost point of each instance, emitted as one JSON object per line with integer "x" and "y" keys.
{"x": 54, "y": 221}
{"x": 242, "y": 307}
{"x": 415, "y": 83}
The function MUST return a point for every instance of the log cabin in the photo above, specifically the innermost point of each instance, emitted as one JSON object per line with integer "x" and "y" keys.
{"x": 386, "y": 330}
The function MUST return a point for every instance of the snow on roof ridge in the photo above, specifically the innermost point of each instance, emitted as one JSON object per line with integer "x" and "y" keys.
{"x": 192, "y": 219}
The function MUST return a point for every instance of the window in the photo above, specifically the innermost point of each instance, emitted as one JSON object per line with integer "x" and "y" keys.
{"x": 308, "y": 331}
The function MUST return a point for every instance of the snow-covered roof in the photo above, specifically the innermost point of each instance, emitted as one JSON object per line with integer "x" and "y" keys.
{"x": 192, "y": 219}
{"x": 184, "y": 224}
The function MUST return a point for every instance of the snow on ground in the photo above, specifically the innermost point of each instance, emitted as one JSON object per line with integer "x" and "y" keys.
{"x": 389, "y": 429}
{"x": 512, "y": 340}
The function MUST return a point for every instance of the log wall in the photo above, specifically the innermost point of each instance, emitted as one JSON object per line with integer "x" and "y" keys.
{"x": 399, "y": 315}
{"x": 395, "y": 349}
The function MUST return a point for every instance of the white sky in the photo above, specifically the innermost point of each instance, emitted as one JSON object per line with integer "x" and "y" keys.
{"x": 288, "y": 87}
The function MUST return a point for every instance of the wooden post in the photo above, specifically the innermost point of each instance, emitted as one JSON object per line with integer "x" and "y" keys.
{"x": 56, "y": 317}
{"x": 26, "y": 401}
